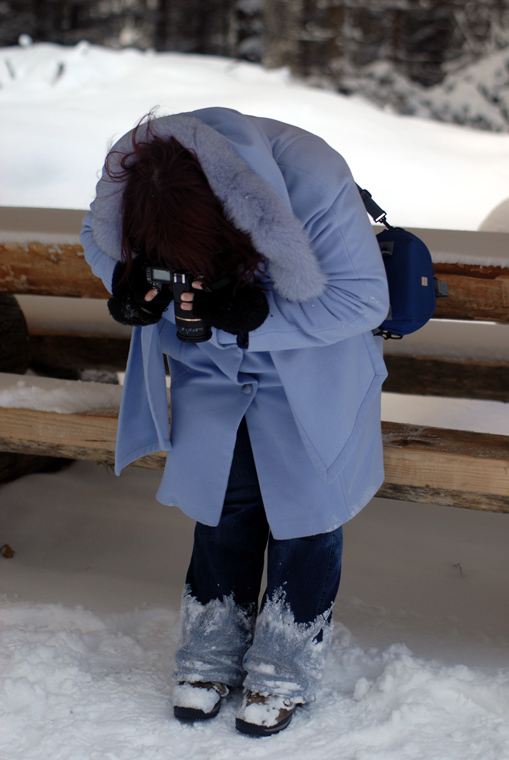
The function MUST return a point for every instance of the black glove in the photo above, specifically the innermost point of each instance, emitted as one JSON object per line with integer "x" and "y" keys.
{"x": 235, "y": 312}
{"x": 127, "y": 304}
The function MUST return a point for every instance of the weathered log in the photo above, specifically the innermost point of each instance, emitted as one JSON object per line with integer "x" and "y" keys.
{"x": 451, "y": 378}
{"x": 77, "y": 352}
{"x": 423, "y": 464}
{"x": 38, "y": 269}
{"x": 443, "y": 466}
{"x": 445, "y": 497}
{"x": 87, "y": 436}
{"x": 475, "y": 292}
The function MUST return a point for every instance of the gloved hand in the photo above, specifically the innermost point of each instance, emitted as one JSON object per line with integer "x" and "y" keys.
{"x": 127, "y": 304}
{"x": 234, "y": 311}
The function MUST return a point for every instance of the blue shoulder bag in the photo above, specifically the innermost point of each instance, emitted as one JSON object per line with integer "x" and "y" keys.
{"x": 413, "y": 287}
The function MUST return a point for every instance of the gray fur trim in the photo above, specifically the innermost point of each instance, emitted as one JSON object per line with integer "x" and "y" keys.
{"x": 250, "y": 202}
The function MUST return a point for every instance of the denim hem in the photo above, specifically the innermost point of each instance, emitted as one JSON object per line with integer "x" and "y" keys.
{"x": 287, "y": 658}
{"x": 214, "y": 639}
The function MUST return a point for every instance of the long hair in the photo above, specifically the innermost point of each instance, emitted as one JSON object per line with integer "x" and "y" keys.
{"x": 171, "y": 215}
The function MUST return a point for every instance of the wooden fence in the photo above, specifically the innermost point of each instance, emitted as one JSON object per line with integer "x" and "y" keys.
{"x": 40, "y": 255}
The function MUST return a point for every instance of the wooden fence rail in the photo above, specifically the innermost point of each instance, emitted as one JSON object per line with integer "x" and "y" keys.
{"x": 423, "y": 464}
{"x": 476, "y": 292}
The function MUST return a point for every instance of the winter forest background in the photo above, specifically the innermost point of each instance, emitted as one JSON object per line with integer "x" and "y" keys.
{"x": 441, "y": 59}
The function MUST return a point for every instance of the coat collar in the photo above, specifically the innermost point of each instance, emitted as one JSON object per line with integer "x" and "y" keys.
{"x": 250, "y": 201}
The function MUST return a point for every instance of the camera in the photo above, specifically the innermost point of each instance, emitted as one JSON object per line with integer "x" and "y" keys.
{"x": 190, "y": 329}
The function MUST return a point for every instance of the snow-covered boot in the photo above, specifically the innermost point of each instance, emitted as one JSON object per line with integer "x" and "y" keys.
{"x": 264, "y": 715}
{"x": 198, "y": 700}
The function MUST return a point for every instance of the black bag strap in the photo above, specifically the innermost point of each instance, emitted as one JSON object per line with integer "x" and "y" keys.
{"x": 374, "y": 210}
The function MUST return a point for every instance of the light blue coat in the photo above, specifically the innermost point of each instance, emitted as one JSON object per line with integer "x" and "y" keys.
{"x": 309, "y": 383}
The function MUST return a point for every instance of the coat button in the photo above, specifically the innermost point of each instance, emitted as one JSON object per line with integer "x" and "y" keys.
{"x": 247, "y": 389}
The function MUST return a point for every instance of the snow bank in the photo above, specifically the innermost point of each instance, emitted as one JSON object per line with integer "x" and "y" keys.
{"x": 48, "y": 394}
{"x": 455, "y": 413}
{"x": 44, "y": 238}
{"x": 498, "y": 219}
{"x": 482, "y": 248}
{"x": 80, "y": 98}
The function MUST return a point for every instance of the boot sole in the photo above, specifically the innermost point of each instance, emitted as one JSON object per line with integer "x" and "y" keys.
{"x": 192, "y": 714}
{"x": 252, "y": 729}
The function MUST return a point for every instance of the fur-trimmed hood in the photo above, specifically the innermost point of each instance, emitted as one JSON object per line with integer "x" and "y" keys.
{"x": 250, "y": 201}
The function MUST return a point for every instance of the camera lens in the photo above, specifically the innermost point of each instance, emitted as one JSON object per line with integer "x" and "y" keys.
{"x": 190, "y": 329}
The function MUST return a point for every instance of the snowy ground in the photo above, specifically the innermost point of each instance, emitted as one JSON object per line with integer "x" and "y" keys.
{"x": 419, "y": 667}
{"x": 89, "y": 602}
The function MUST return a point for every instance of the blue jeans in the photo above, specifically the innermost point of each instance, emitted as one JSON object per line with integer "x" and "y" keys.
{"x": 279, "y": 646}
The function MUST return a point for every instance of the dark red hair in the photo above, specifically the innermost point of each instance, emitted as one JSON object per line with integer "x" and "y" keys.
{"x": 171, "y": 215}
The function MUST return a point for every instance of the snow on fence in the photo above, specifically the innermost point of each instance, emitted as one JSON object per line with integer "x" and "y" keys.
{"x": 40, "y": 255}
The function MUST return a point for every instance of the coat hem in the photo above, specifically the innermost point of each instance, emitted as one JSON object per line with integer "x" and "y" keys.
{"x": 141, "y": 451}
